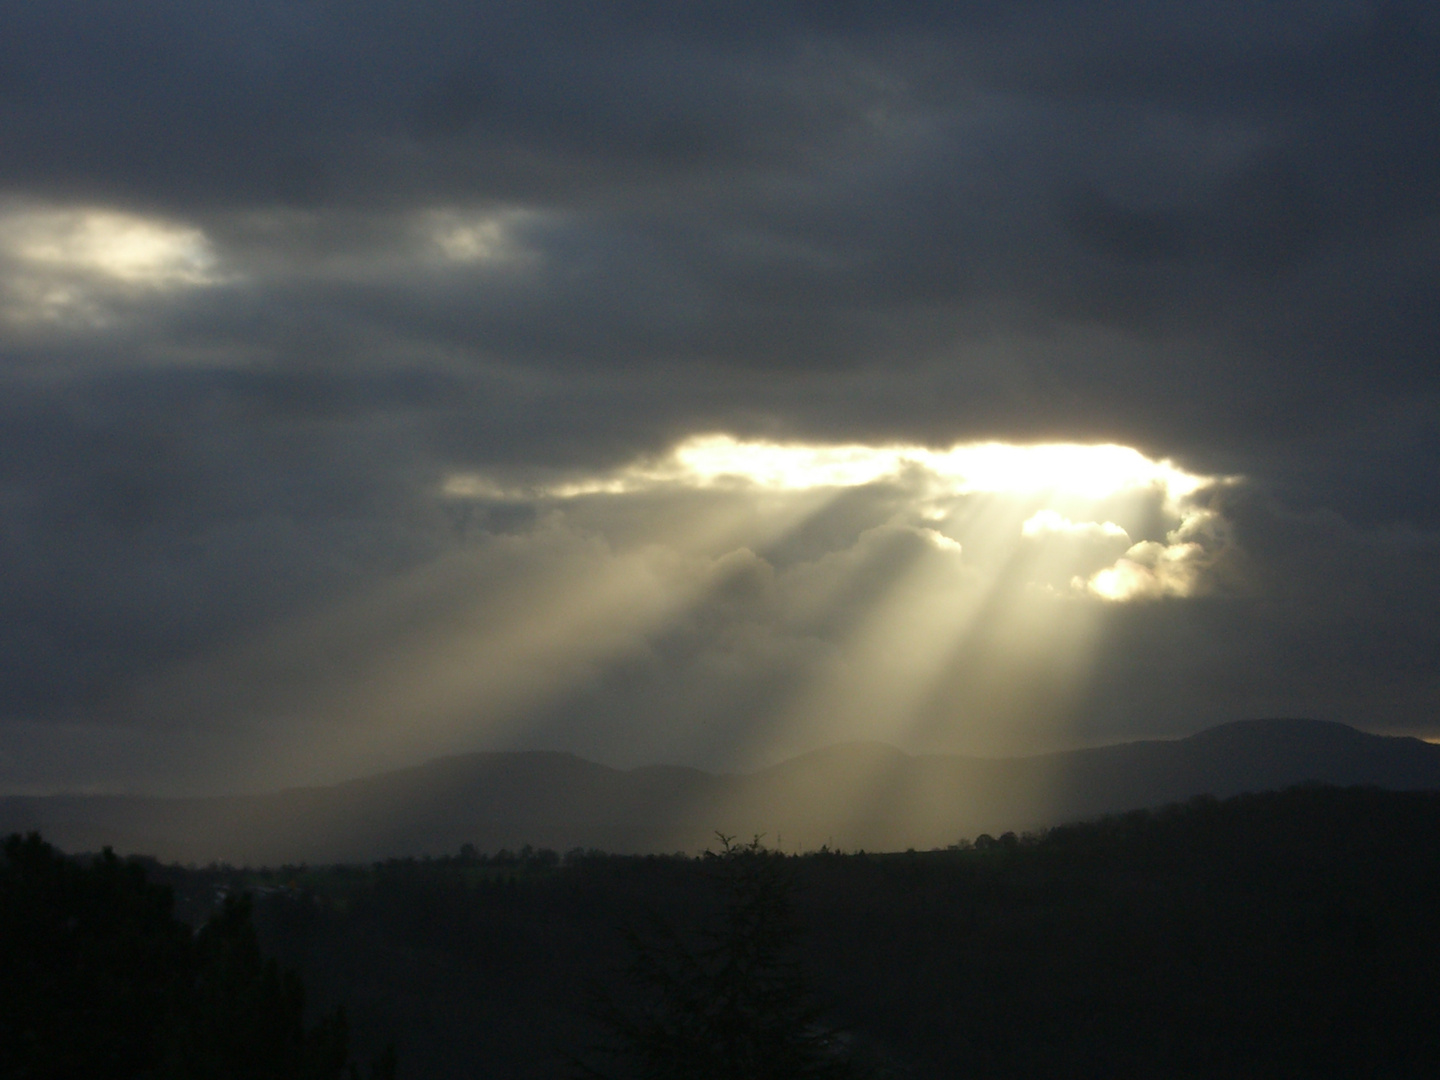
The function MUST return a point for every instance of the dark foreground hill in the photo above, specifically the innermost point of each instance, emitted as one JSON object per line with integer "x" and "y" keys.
{"x": 851, "y": 796}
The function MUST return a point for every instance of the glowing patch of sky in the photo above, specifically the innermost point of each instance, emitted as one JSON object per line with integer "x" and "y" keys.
{"x": 125, "y": 247}
{"x": 67, "y": 266}
{"x": 489, "y": 238}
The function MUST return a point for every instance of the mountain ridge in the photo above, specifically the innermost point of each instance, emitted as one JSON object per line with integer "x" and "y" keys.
{"x": 852, "y": 795}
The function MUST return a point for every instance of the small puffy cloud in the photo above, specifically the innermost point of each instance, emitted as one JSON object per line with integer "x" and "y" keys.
{"x": 1151, "y": 570}
{"x": 1051, "y": 522}
{"x": 1148, "y": 571}
{"x": 941, "y": 542}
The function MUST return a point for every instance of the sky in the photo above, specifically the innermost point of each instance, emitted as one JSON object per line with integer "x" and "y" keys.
{"x": 705, "y": 383}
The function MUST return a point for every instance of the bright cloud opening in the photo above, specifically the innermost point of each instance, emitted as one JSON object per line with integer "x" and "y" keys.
{"x": 1063, "y": 469}
{"x": 1061, "y": 477}
{"x": 1088, "y": 471}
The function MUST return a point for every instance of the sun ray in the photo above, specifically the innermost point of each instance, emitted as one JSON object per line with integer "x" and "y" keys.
{"x": 930, "y": 599}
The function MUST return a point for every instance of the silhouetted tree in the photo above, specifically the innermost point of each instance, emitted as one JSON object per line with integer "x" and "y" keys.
{"x": 91, "y": 963}
{"x": 245, "y": 1016}
{"x": 727, "y": 1001}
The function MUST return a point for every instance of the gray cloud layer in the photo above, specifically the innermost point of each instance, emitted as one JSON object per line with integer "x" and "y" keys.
{"x": 391, "y": 242}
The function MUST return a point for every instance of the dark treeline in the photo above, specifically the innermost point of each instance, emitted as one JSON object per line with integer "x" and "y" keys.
{"x": 98, "y": 978}
{"x": 1278, "y": 935}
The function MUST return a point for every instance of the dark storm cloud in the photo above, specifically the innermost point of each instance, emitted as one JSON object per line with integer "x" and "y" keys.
{"x": 540, "y": 238}
{"x": 793, "y": 187}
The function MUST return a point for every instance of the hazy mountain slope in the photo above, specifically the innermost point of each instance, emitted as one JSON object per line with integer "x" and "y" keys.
{"x": 857, "y": 795}
{"x": 1249, "y": 755}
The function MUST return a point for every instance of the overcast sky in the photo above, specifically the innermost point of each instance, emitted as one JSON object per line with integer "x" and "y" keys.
{"x": 653, "y": 380}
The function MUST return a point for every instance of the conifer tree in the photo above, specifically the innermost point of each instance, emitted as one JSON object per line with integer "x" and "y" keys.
{"x": 728, "y": 1000}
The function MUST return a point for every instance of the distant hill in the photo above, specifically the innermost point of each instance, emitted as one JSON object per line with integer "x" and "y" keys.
{"x": 858, "y": 795}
